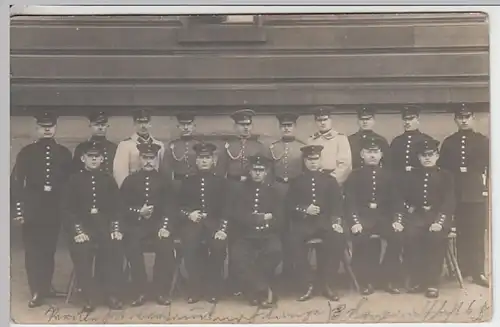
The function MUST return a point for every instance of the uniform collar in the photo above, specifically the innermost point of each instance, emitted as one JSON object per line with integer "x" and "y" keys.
{"x": 97, "y": 138}
{"x": 45, "y": 140}
{"x": 287, "y": 139}
{"x": 466, "y": 131}
{"x": 139, "y": 139}
{"x": 326, "y": 135}
{"x": 187, "y": 137}
{"x": 416, "y": 131}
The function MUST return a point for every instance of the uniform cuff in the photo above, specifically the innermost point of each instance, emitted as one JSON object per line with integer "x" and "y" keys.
{"x": 78, "y": 229}
{"x": 336, "y": 221}
{"x": 300, "y": 209}
{"x": 442, "y": 218}
{"x": 115, "y": 226}
{"x": 355, "y": 219}
{"x": 185, "y": 212}
{"x": 398, "y": 218}
{"x": 164, "y": 223}
{"x": 19, "y": 209}
{"x": 223, "y": 225}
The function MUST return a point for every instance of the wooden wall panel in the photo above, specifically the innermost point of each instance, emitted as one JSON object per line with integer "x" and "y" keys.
{"x": 76, "y": 63}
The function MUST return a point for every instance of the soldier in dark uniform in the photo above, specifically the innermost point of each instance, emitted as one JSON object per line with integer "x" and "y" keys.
{"x": 40, "y": 171}
{"x": 234, "y": 160}
{"x": 202, "y": 202}
{"x": 314, "y": 206}
{"x": 403, "y": 156}
{"x": 149, "y": 216}
{"x": 427, "y": 197}
{"x": 180, "y": 159}
{"x": 370, "y": 193}
{"x": 366, "y": 121}
{"x": 287, "y": 164}
{"x": 257, "y": 216}
{"x": 98, "y": 122}
{"x": 466, "y": 154}
{"x": 91, "y": 208}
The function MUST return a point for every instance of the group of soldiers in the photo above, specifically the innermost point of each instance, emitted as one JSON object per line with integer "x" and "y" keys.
{"x": 256, "y": 205}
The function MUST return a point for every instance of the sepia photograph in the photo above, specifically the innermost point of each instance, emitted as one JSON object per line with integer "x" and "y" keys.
{"x": 249, "y": 168}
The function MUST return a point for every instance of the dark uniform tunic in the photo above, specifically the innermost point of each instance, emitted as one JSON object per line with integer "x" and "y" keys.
{"x": 234, "y": 158}
{"x": 355, "y": 141}
{"x": 466, "y": 155}
{"x": 370, "y": 193}
{"x": 402, "y": 149}
{"x": 108, "y": 151}
{"x": 427, "y": 197}
{"x": 91, "y": 205}
{"x": 206, "y": 192}
{"x": 257, "y": 252}
{"x": 180, "y": 158}
{"x": 150, "y": 188}
{"x": 40, "y": 171}
{"x": 322, "y": 190}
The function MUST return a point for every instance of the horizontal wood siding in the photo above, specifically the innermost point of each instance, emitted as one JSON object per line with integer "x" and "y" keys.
{"x": 119, "y": 63}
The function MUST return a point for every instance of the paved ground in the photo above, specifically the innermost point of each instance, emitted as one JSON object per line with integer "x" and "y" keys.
{"x": 472, "y": 304}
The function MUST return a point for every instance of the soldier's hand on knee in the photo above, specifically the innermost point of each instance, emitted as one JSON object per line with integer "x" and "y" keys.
{"x": 268, "y": 216}
{"x": 312, "y": 210}
{"x": 19, "y": 220}
{"x": 338, "y": 228}
{"x": 195, "y": 216}
{"x": 163, "y": 233}
{"x": 358, "y": 228}
{"x": 144, "y": 211}
{"x": 116, "y": 236}
{"x": 220, "y": 235}
{"x": 398, "y": 227}
{"x": 435, "y": 227}
{"x": 80, "y": 238}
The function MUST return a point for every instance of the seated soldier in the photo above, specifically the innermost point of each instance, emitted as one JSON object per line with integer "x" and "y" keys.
{"x": 91, "y": 211}
{"x": 148, "y": 202}
{"x": 427, "y": 198}
{"x": 257, "y": 218}
{"x": 370, "y": 192}
{"x": 201, "y": 202}
{"x": 314, "y": 205}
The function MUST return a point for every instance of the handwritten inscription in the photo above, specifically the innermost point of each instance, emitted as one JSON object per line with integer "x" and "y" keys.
{"x": 430, "y": 311}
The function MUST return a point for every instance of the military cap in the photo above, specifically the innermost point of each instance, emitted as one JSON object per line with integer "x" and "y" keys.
{"x": 287, "y": 118}
{"x": 259, "y": 161}
{"x": 92, "y": 148}
{"x": 243, "y": 116}
{"x": 372, "y": 143}
{"x": 141, "y": 115}
{"x": 46, "y": 119}
{"x": 409, "y": 112}
{"x": 98, "y": 117}
{"x": 185, "y": 117}
{"x": 426, "y": 146}
{"x": 312, "y": 151}
{"x": 148, "y": 149}
{"x": 365, "y": 113}
{"x": 204, "y": 149}
{"x": 463, "y": 111}
{"x": 322, "y": 111}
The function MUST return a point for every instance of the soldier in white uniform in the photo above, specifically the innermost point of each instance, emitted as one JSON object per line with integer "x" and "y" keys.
{"x": 127, "y": 159}
{"x": 336, "y": 155}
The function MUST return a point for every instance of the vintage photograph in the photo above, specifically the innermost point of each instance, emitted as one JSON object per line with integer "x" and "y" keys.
{"x": 265, "y": 168}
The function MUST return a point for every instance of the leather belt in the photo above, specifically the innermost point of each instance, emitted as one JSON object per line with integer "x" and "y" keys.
{"x": 284, "y": 180}
{"x": 235, "y": 177}
{"x": 180, "y": 177}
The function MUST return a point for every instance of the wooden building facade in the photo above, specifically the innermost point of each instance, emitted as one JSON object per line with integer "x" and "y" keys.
{"x": 268, "y": 62}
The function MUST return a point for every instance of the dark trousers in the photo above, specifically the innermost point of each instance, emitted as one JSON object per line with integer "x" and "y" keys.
{"x": 255, "y": 261}
{"x": 204, "y": 258}
{"x": 111, "y": 252}
{"x": 328, "y": 254}
{"x": 137, "y": 240}
{"x": 40, "y": 242}
{"x": 391, "y": 268}
{"x": 471, "y": 221}
{"x": 366, "y": 258}
{"x": 425, "y": 252}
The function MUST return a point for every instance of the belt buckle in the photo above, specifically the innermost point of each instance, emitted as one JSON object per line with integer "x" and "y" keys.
{"x": 47, "y": 188}
{"x": 373, "y": 205}
{"x": 463, "y": 169}
{"x": 94, "y": 211}
{"x": 408, "y": 168}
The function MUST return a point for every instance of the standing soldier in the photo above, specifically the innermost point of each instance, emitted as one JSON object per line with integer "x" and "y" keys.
{"x": 427, "y": 194}
{"x": 366, "y": 121}
{"x": 40, "y": 171}
{"x": 370, "y": 195}
{"x": 98, "y": 122}
{"x": 202, "y": 201}
{"x": 466, "y": 154}
{"x": 404, "y": 158}
{"x": 148, "y": 203}
{"x": 234, "y": 160}
{"x": 288, "y": 164}
{"x": 314, "y": 207}
{"x": 257, "y": 217}
{"x": 127, "y": 159}
{"x": 180, "y": 158}
{"x": 91, "y": 208}
{"x": 336, "y": 156}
